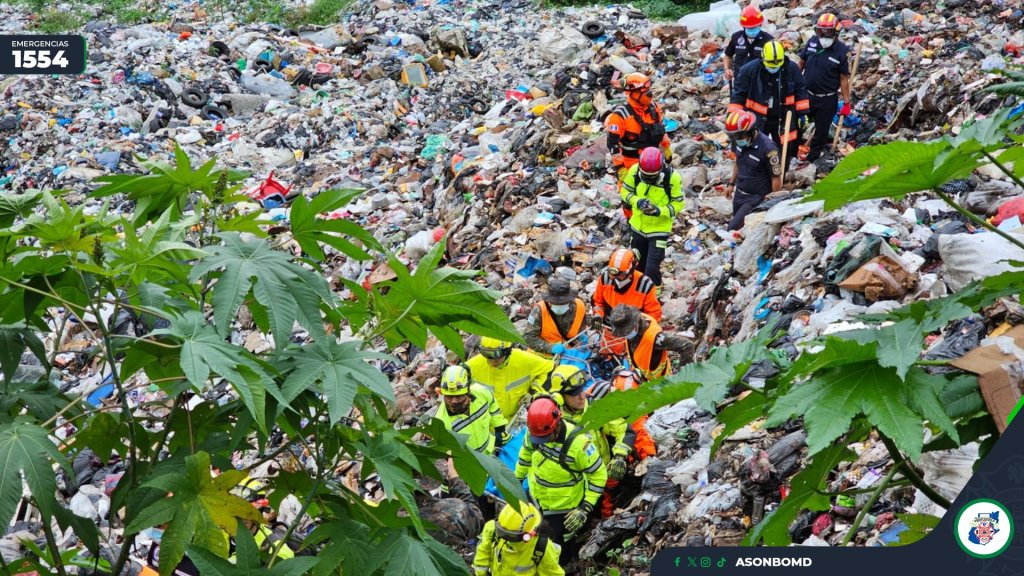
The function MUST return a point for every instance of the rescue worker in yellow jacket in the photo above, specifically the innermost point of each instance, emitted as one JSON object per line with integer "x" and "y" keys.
{"x": 511, "y": 374}
{"x": 470, "y": 409}
{"x": 556, "y": 319}
{"x": 614, "y": 440}
{"x": 655, "y": 193}
{"x": 566, "y": 473}
{"x": 512, "y": 546}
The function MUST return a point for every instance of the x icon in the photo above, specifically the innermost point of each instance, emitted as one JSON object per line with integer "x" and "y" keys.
{"x": 691, "y": 562}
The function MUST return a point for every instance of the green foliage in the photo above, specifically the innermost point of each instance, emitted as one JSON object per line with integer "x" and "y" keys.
{"x": 199, "y": 509}
{"x": 54, "y": 21}
{"x": 320, "y": 12}
{"x": 918, "y": 526}
{"x": 310, "y": 231}
{"x": 26, "y": 450}
{"x": 247, "y": 562}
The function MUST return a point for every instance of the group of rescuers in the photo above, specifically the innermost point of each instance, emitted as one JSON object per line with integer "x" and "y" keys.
{"x": 573, "y": 472}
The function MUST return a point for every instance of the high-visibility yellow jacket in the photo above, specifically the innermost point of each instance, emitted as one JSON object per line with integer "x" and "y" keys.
{"x": 524, "y": 372}
{"x": 479, "y": 424}
{"x": 496, "y": 557}
{"x": 614, "y": 431}
{"x": 666, "y": 194}
{"x": 559, "y": 489}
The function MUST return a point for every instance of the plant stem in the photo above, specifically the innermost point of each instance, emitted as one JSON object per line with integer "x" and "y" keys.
{"x": 871, "y": 502}
{"x": 915, "y": 479}
{"x": 298, "y": 518}
{"x": 1003, "y": 169}
{"x": 978, "y": 220}
{"x": 932, "y": 363}
{"x": 51, "y": 543}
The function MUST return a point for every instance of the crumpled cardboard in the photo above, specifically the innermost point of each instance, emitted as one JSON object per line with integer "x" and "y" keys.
{"x": 1001, "y": 388}
{"x": 881, "y": 278}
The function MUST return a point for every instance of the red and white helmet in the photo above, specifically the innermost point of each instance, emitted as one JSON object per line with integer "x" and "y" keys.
{"x": 751, "y": 17}
{"x": 651, "y": 162}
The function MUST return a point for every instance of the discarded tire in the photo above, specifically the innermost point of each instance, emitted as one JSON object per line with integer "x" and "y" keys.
{"x": 194, "y": 97}
{"x": 478, "y": 106}
{"x": 218, "y": 49}
{"x": 212, "y": 112}
{"x": 592, "y": 29}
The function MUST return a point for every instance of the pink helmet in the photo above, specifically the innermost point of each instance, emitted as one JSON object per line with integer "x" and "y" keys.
{"x": 651, "y": 162}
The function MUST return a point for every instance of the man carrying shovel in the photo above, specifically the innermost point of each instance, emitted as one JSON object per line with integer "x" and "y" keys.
{"x": 824, "y": 61}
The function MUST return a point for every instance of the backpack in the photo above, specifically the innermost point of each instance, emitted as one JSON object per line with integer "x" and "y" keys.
{"x": 665, "y": 183}
{"x": 540, "y": 549}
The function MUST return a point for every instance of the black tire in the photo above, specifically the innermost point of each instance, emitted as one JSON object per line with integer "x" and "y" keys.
{"x": 194, "y": 97}
{"x": 592, "y": 29}
{"x": 218, "y": 49}
{"x": 477, "y": 105}
{"x": 212, "y": 112}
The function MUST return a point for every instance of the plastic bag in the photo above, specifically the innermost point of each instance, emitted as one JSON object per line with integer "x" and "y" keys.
{"x": 971, "y": 257}
{"x": 721, "y": 19}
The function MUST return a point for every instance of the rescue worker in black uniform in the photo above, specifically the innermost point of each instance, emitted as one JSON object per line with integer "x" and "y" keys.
{"x": 825, "y": 63}
{"x": 768, "y": 89}
{"x": 758, "y": 169}
{"x": 746, "y": 44}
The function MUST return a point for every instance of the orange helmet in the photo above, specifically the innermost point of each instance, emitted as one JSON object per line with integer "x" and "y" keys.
{"x": 739, "y": 122}
{"x": 827, "y": 22}
{"x": 622, "y": 260}
{"x": 635, "y": 81}
{"x": 751, "y": 17}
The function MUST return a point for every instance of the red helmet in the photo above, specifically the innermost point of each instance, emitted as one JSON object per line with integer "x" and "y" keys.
{"x": 751, "y": 17}
{"x": 651, "y": 162}
{"x": 543, "y": 416}
{"x": 636, "y": 81}
{"x": 827, "y": 21}
{"x": 739, "y": 122}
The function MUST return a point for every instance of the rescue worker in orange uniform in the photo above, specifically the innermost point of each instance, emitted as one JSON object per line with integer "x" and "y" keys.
{"x": 557, "y": 319}
{"x": 622, "y": 283}
{"x": 646, "y": 343}
{"x": 633, "y": 126}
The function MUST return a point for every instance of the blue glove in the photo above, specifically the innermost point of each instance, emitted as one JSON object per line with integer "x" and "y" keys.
{"x": 643, "y": 204}
{"x": 558, "y": 348}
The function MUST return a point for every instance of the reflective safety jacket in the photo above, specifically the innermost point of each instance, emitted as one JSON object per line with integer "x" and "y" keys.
{"x": 639, "y": 293}
{"x": 631, "y": 129}
{"x": 561, "y": 480}
{"x": 523, "y": 373}
{"x": 647, "y": 355}
{"x": 666, "y": 194}
{"x": 544, "y": 329}
{"x": 496, "y": 557}
{"x": 479, "y": 424}
{"x": 771, "y": 95}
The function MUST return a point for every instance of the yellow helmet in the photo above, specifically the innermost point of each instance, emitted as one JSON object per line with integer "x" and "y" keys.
{"x": 566, "y": 379}
{"x": 517, "y": 525}
{"x": 455, "y": 380}
{"x": 494, "y": 348}
{"x": 773, "y": 54}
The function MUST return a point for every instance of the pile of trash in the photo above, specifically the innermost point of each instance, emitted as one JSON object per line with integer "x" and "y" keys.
{"x": 481, "y": 122}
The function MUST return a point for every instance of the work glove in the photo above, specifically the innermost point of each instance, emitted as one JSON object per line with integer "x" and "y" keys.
{"x": 801, "y": 121}
{"x": 652, "y": 210}
{"x": 597, "y": 323}
{"x": 500, "y": 437}
{"x": 617, "y": 468}
{"x": 643, "y": 204}
{"x": 667, "y": 153}
{"x": 558, "y": 348}
{"x": 576, "y": 518}
{"x": 845, "y": 110}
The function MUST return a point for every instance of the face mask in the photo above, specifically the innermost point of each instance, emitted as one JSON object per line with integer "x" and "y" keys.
{"x": 623, "y": 283}
{"x": 752, "y": 32}
{"x": 773, "y": 69}
{"x": 742, "y": 143}
{"x": 826, "y": 42}
{"x": 559, "y": 309}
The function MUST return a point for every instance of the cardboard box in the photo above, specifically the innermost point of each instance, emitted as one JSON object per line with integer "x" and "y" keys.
{"x": 1000, "y": 390}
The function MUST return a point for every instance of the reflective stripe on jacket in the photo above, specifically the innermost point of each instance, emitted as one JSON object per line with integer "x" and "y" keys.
{"x": 556, "y": 489}
{"x": 667, "y": 196}
{"x": 479, "y": 424}
{"x": 524, "y": 372}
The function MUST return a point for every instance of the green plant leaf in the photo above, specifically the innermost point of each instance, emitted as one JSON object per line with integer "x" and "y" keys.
{"x": 807, "y": 492}
{"x": 961, "y": 396}
{"x": 898, "y": 345}
{"x": 393, "y": 461}
{"x": 247, "y": 560}
{"x": 287, "y": 291}
{"x": 337, "y": 370}
{"x": 831, "y": 399}
{"x": 474, "y": 467}
{"x": 439, "y": 299}
{"x": 900, "y": 168}
{"x": 738, "y": 415}
{"x": 204, "y": 351}
{"x": 201, "y": 510}
{"x": 348, "y": 546}
{"x": 309, "y": 230}
{"x": 14, "y": 206}
{"x": 104, "y": 434}
{"x": 26, "y": 449}
{"x": 919, "y": 526}
{"x": 406, "y": 556}
{"x": 14, "y": 338}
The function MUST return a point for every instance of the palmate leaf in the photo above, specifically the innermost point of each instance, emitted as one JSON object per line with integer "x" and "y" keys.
{"x": 900, "y": 169}
{"x": 440, "y": 300}
{"x": 154, "y": 253}
{"x": 14, "y": 339}
{"x": 201, "y": 510}
{"x": 738, "y": 415}
{"x": 285, "y": 291}
{"x": 707, "y": 381}
{"x": 394, "y": 462}
{"x": 204, "y": 351}
{"x": 14, "y": 206}
{"x": 807, "y": 493}
{"x": 247, "y": 560}
{"x": 834, "y": 396}
{"x": 309, "y": 230}
{"x": 403, "y": 555}
{"x": 348, "y": 546}
{"x": 919, "y": 526}
{"x": 336, "y": 370}
{"x": 25, "y": 449}
{"x": 474, "y": 467}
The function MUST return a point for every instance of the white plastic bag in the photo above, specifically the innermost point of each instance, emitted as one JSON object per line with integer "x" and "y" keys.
{"x": 721, "y": 19}
{"x": 969, "y": 257}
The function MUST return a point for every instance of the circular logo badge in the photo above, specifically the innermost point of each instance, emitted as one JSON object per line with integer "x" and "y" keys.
{"x": 984, "y": 528}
